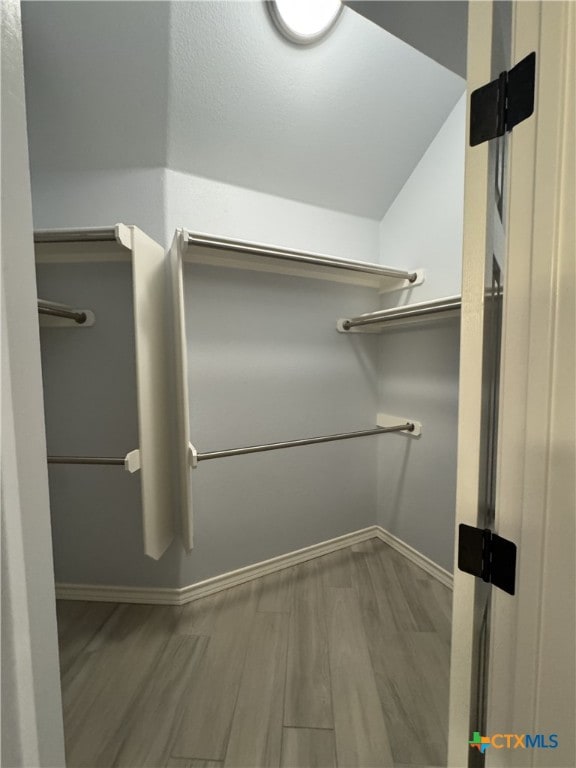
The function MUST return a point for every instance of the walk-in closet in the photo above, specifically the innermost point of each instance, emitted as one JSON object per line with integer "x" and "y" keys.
{"x": 248, "y": 240}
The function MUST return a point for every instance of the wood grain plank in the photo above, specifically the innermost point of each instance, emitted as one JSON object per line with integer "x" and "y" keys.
{"x": 144, "y": 737}
{"x": 128, "y": 671}
{"x": 67, "y": 613}
{"x": 204, "y": 764}
{"x": 256, "y": 734}
{"x": 209, "y": 701}
{"x": 412, "y": 675}
{"x": 310, "y": 747}
{"x": 78, "y": 623}
{"x": 410, "y": 665}
{"x": 336, "y": 568}
{"x": 115, "y": 663}
{"x": 308, "y": 702}
{"x": 184, "y": 762}
{"x": 439, "y": 599}
{"x": 199, "y": 616}
{"x": 381, "y": 595}
{"x": 407, "y": 579}
{"x": 361, "y": 733}
{"x": 275, "y": 591}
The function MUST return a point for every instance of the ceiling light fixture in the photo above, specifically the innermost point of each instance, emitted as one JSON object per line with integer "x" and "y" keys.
{"x": 305, "y": 21}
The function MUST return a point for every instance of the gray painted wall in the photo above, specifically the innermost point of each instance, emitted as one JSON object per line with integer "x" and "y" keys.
{"x": 266, "y": 364}
{"x": 419, "y": 363}
{"x": 100, "y": 198}
{"x": 89, "y": 382}
{"x": 269, "y": 366}
{"x": 96, "y": 83}
{"x": 417, "y": 476}
{"x": 211, "y": 89}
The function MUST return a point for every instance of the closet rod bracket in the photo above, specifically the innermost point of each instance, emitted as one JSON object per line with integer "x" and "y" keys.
{"x": 385, "y": 420}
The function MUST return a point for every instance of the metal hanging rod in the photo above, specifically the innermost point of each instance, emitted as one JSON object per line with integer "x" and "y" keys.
{"x": 94, "y": 234}
{"x": 436, "y": 306}
{"x": 86, "y": 460}
{"x": 407, "y": 427}
{"x": 301, "y": 257}
{"x": 46, "y": 308}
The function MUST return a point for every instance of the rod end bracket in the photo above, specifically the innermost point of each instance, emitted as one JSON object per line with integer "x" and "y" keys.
{"x": 386, "y": 420}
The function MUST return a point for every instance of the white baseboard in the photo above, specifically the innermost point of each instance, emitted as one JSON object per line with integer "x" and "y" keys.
{"x": 183, "y": 595}
{"x": 431, "y": 568}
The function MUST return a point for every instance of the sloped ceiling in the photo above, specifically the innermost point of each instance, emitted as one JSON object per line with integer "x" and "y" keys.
{"x": 438, "y": 28}
{"x": 211, "y": 89}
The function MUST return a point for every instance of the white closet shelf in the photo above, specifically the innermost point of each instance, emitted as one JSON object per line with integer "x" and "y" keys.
{"x": 201, "y": 248}
{"x": 375, "y": 322}
{"x": 83, "y": 245}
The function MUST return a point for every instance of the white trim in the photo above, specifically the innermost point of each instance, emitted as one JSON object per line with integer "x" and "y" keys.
{"x": 183, "y": 595}
{"x": 477, "y": 247}
{"x": 532, "y": 661}
{"x": 431, "y": 568}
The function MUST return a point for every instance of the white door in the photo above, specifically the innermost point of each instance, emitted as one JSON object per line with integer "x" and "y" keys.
{"x": 490, "y": 690}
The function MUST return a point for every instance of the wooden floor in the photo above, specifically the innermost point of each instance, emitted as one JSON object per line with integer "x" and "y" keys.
{"x": 340, "y": 661}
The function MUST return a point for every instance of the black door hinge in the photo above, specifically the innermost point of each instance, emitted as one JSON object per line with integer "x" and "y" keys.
{"x": 488, "y": 556}
{"x": 499, "y": 106}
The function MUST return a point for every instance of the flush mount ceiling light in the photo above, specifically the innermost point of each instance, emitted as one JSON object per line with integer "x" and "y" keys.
{"x": 305, "y": 21}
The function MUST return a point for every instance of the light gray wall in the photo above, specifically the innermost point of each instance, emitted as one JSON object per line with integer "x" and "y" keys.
{"x": 419, "y": 364}
{"x": 269, "y": 365}
{"x": 254, "y": 507}
{"x": 206, "y": 205}
{"x": 63, "y": 199}
{"x": 212, "y": 89}
{"x": 266, "y": 364}
{"x": 31, "y": 705}
{"x": 437, "y": 28}
{"x": 424, "y": 225}
{"x": 417, "y": 476}
{"x": 96, "y": 83}
{"x": 310, "y": 123}
{"x": 89, "y": 380}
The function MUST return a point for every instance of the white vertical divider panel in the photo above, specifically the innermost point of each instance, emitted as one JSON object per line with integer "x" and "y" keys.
{"x": 183, "y": 459}
{"x": 151, "y": 327}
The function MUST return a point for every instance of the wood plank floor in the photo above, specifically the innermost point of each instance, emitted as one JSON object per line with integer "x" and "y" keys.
{"x": 340, "y": 661}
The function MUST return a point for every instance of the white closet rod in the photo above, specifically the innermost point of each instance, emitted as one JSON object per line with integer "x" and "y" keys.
{"x": 301, "y": 257}
{"x": 436, "y": 306}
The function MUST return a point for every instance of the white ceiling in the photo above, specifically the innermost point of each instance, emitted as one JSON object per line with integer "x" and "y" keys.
{"x": 211, "y": 89}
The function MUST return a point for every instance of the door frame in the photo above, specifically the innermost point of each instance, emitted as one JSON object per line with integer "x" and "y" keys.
{"x": 32, "y": 733}
{"x": 536, "y": 422}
